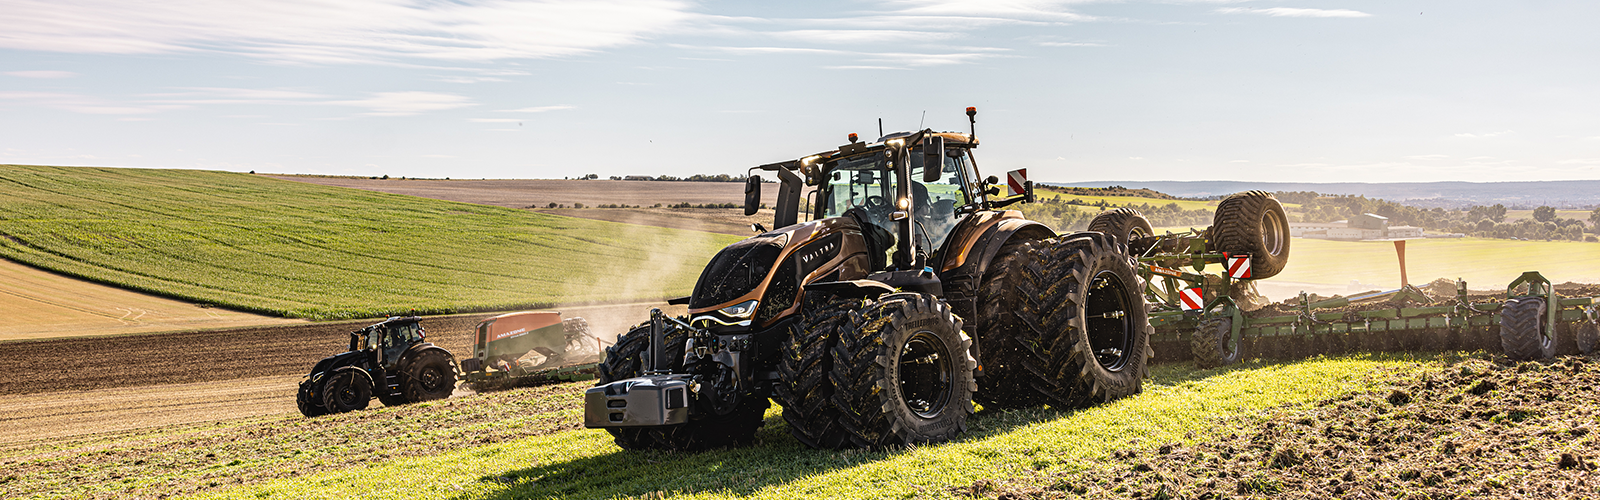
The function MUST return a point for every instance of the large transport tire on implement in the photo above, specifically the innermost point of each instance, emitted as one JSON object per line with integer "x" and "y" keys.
{"x": 346, "y": 390}
{"x": 626, "y": 359}
{"x": 430, "y": 376}
{"x": 902, "y": 372}
{"x": 1252, "y": 223}
{"x": 1100, "y": 333}
{"x": 308, "y": 400}
{"x": 1213, "y": 344}
{"x": 1125, "y": 224}
{"x": 804, "y": 389}
{"x": 1003, "y": 333}
{"x": 1521, "y": 322}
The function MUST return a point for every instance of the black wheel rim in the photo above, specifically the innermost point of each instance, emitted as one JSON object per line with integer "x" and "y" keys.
{"x": 1109, "y": 322}
{"x": 347, "y": 392}
{"x": 925, "y": 374}
{"x": 430, "y": 379}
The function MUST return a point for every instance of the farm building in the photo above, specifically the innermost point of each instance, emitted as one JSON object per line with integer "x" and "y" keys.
{"x": 1360, "y": 227}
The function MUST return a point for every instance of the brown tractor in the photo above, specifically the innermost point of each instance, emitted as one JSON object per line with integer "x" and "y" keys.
{"x": 906, "y": 295}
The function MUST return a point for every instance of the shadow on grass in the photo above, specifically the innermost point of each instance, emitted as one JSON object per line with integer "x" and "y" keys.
{"x": 775, "y": 458}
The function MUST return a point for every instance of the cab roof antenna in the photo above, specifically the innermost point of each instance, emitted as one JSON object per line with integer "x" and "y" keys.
{"x": 880, "y": 127}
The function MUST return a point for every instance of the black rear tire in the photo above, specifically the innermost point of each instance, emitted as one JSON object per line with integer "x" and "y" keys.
{"x": 346, "y": 390}
{"x": 1521, "y": 322}
{"x": 308, "y": 400}
{"x": 1125, "y": 224}
{"x": 430, "y": 376}
{"x": 1213, "y": 344}
{"x": 804, "y": 389}
{"x": 1252, "y": 223}
{"x": 903, "y": 372}
{"x": 1100, "y": 342}
{"x": 625, "y": 360}
{"x": 1002, "y": 335}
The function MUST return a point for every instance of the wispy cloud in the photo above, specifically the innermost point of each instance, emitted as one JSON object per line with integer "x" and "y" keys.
{"x": 1427, "y": 157}
{"x": 83, "y": 104}
{"x": 1484, "y": 136}
{"x": 408, "y": 103}
{"x": 863, "y": 36}
{"x": 538, "y": 109}
{"x": 1038, "y": 10}
{"x": 495, "y": 120}
{"x": 345, "y": 31}
{"x": 1294, "y": 12}
{"x": 41, "y": 74}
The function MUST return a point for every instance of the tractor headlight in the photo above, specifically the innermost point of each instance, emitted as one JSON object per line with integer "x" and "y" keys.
{"x": 741, "y": 310}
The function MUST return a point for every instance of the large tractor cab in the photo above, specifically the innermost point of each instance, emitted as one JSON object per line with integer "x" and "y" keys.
{"x": 861, "y": 320}
{"x": 391, "y": 360}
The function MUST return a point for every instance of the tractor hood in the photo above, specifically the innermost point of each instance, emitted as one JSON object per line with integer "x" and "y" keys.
{"x": 761, "y": 277}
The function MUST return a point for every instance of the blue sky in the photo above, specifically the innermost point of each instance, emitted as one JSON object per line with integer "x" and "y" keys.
{"x": 1309, "y": 91}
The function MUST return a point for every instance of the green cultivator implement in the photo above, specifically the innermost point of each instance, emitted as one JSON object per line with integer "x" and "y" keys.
{"x": 1203, "y": 316}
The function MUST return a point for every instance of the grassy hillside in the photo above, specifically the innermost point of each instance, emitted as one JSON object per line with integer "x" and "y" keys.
{"x": 1179, "y": 404}
{"x": 304, "y": 250}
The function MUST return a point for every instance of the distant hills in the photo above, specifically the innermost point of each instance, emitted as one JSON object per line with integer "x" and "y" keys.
{"x": 1560, "y": 194}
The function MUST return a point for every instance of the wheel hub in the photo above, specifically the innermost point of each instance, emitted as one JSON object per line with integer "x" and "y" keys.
{"x": 926, "y": 374}
{"x": 1106, "y": 317}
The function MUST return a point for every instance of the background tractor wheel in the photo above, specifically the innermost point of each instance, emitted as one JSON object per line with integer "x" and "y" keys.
{"x": 902, "y": 370}
{"x": 430, "y": 376}
{"x": 308, "y": 401}
{"x": 1003, "y": 334}
{"x": 804, "y": 389}
{"x": 1213, "y": 344}
{"x": 1125, "y": 224}
{"x": 626, "y": 359}
{"x": 1252, "y": 223}
{"x": 1101, "y": 333}
{"x": 1520, "y": 323}
{"x": 345, "y": 391}
{"x": 1588, "y": 338}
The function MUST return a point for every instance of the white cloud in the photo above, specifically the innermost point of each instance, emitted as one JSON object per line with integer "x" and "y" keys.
{"x": 867, "y": 67}
{"x": 229, "y": 95}
{"x": 1039, "y": 10}
{"x": 42, "y": 74}
{"x": 1485, "y": 136}
{"x": 495, "y": 120}
{"x": 469, "y": 79}
{"x": 862, "y": 36}
{"x": 538, "y": 109}
{"x": 1427, "y": 157}
{"x": 339, "y": 31}
{"x": 408, "y": 103}
{"x": 1293, "y": 12}
{"x": 1135, "y": 157}
{"x": 83, "y": 104}
{"x": 1071, "y": 44}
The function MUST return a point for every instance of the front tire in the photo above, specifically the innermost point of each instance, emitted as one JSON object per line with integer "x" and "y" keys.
{"x": 804, "y": 389}
{"x": 346, "y": 390}
{"x": 903, "y": 372}
{"x": 1006, "y": 330}
{"x": 430, "y": 376}
{"x": 1521, "y": 330}
{"x": 308, "y": 401}
{"x": 1252, "y": 222}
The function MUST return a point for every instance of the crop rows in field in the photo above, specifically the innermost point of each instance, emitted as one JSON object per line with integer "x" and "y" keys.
{"x": 304, "y": 250}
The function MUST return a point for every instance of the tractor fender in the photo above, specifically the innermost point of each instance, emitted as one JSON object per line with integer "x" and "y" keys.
{"x": 335, "y": 362}
{"x": 416, "y": 350}
{"x": 356, "y": 369}
{"x": 997, "y": 236}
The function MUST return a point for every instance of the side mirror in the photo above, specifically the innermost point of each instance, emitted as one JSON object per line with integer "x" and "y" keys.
{"x": 932, "y": 159}
{"x": 752, "y": 194}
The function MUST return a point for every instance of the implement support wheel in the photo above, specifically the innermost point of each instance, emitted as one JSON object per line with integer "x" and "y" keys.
{"x": 1521, "y": 326}
{"x": 1252, "y": 223}
{"x": 1214, "y": 344}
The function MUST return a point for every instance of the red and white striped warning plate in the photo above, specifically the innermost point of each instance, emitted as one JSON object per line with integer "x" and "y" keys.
{"x": 1191, "y": 299}
{"x": 1015, "y": 179}
{"x": 1238, "y": 266}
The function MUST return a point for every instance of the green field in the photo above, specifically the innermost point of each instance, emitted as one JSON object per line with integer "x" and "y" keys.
{"x": 1484, "y": 263}
{"x": 302, "y": 250}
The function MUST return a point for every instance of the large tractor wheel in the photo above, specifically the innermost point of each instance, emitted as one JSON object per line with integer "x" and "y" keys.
{"x": 1521, "y": 330}
{"x": 430, "y": 376}
{"x": 308, "y": 401}
{"x": 1003, "y": 333}
{"x": 346, "y": 390}
{"x": 804, "y": 389}
{"x": 1252, "y": 223}
{"x": 1125, "y": 224}
{"x": 626, "y": 359}
{"x": 1214, "y": 344}
{"x": 902, "y": 372}
{"x": 1101, "y": 334}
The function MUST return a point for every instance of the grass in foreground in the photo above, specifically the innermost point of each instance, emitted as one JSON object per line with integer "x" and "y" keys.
{"x": 1180, "y": 404}
{"x": 303, "y": 250}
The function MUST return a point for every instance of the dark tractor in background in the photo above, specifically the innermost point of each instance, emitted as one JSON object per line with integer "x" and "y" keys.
{"x": 391, "y": 360}
{"x": 907, "y": 295}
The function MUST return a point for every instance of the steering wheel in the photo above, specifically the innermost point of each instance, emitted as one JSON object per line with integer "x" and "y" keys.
{"x": 875, "y": 203}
